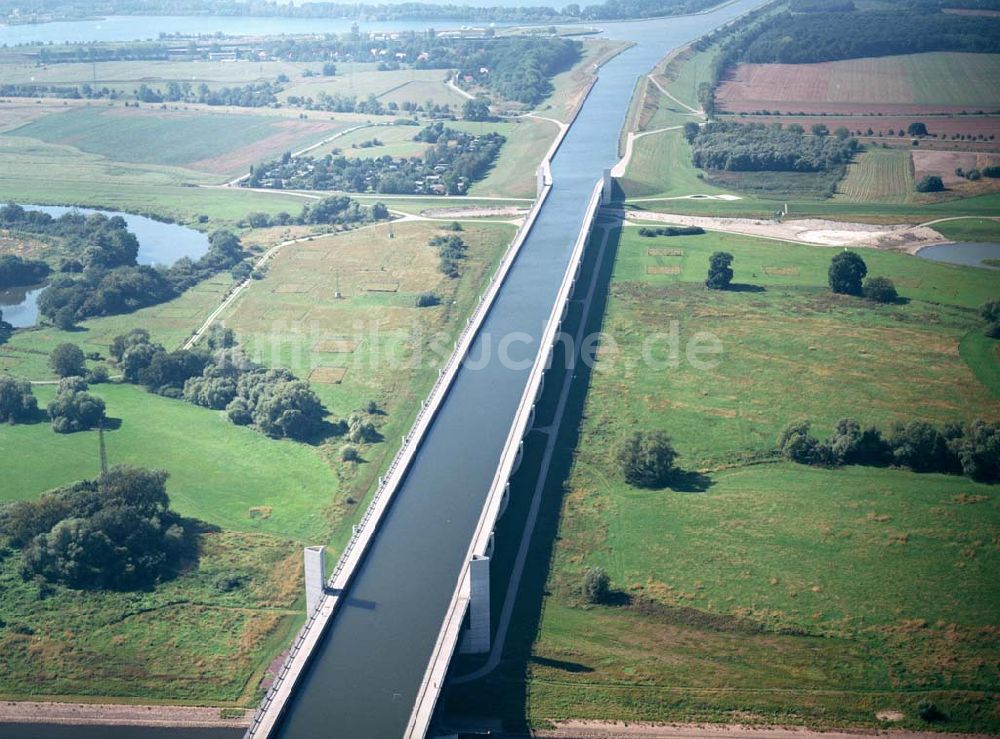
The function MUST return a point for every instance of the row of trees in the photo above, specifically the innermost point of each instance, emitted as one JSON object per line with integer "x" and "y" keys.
{"x": 972, "y": 449}
{"x": 818, "y": 37}
{"x": 337, "y": 210}
{"x": 451, "y": 250}
{"x": 740, "y": 147}
{"x": 454, "y": 161}
{"x": 116, "y": 532}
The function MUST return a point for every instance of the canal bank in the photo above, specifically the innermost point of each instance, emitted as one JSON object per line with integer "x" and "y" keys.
{"x": 367, "y": 671}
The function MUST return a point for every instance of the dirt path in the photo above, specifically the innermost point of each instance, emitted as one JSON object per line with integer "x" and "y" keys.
{"x": 615, "y": 730}
{"x": 813, "y": 231}
{"x": 108, "y": 714}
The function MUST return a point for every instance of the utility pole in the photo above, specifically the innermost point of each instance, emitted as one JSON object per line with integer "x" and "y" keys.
{"x": 104, "y": 450}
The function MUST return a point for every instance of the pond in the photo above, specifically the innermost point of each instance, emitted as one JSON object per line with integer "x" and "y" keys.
{"x": 969, "y": 254}
{"x": 159, "y": 243}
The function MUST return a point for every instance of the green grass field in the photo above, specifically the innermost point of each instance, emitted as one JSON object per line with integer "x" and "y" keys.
{"x": 878, "y": 176}
{"x": 246, "y": 468}
{"x": 187, "y": 641}
{"x": 970, "y": 229}
{"x": 780, "y": 594}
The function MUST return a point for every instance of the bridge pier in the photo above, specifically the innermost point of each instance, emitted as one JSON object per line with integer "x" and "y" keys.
{"x": 315, "y": 566}
{"x": 477, "y": 638}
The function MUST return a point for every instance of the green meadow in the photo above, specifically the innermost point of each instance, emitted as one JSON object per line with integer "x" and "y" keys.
{"x": 760, "y": 591}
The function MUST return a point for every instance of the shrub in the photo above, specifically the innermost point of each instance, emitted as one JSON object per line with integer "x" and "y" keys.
{"x": 929, "y": 712}
{"x": 990, "y": 310}
{"x": 846, "y": 272}
{"x": 426, "y": 300}
{"x": 880, "y": 290}
{"x": 930, "y": 183}
{"x": 596, "y": 585}
{"x": 67, "y": 359}
{"x": 647, "y": 459}
{"x": 98, "y": 374}
{"x": 978, "y": 451}
{"x": 720, "y": 273}
{"x": 349, "y": 454}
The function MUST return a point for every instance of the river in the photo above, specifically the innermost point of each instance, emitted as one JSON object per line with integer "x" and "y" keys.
{"x": 366, "y": 672}
{"x": 159, "y": 243}
{"x": 149, "y": 27}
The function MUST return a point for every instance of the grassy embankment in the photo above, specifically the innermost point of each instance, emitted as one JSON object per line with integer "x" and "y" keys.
{"x": 767, "y": 592}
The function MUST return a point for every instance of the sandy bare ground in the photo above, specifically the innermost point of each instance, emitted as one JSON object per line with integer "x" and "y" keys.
{"x": 815, "y": 231}
{"x": 15, "y": 712}
{"x": 473, "y": 212}
{"x": 616, "y": 730}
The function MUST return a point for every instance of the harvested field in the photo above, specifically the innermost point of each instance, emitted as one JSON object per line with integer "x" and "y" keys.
{"x": 944, "y": 164}
{"x": 291, "y": 135}
{"x": 913, "y": 83}
{"x": 663, "y": 270}
{"x": 879, "y": 175}
{"x": 665, "y": 252}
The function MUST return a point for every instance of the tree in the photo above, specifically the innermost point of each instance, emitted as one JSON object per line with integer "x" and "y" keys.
{"x": 880, "y": 290}
{"x": 75, "y": 411}
{"x": 67, "y": 360}
{"x": 596, "y": 585}
{"x": 929, "y": 712}
{"x": 916, "y": 129}
{"x": 720, "y": 274}
{"x": 921, "y": 447}
{"x": 930, "y": 183}
{"x": 476, "y": 109}
{"x": 123, "y": 341}
{"x": 842, "y": 133}
{"x": 114, "y": 532}
{"x": 851, "y": 444}
{"x": 819, "y": 129}
{"x": 797, "y": 444}
{"x": 329, "y": 69}
{"x": 979, "y": 451}
{"x": 17, "y": 401}
{"x": 691, "y": 130}
{"x": 847, "y": 270}
{"x": 647, "y": 459}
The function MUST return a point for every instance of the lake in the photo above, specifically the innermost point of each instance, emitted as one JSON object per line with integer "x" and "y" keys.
{"x": 965, "y": 253}
{"x": 159, "y": 243}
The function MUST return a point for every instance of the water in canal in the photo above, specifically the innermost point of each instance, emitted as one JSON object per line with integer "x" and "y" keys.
{"x": 363, "y": 680}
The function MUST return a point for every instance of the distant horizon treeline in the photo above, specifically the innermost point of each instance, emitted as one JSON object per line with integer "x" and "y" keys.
{"x": 608, "y": 10}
